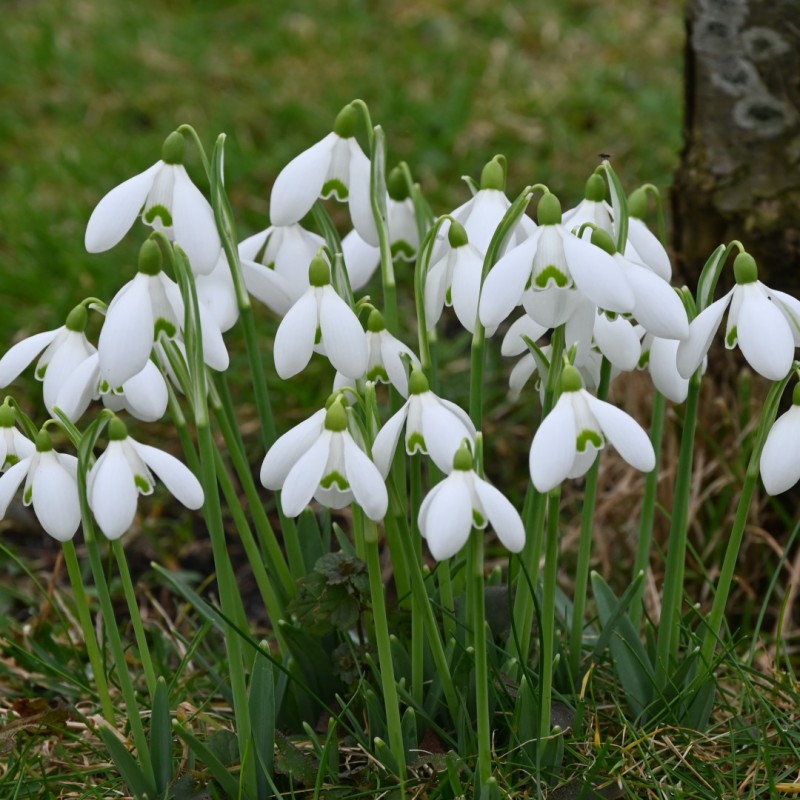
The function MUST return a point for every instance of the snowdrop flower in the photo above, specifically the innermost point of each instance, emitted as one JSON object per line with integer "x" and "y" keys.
{"x": 660, "y": 356}
{"x": 433, "y": 426}
{"x": 285, "y": 251}
{"x": 764, "y": 324}
{"x": 335, "y": 166}
{"x": 217, "y": 293}
{"x": 64, "y": 349}
{"x": 320, "y": 317}
{"x": 464, "y": 500}
{"x": 567, "y": 441}
{"x": 141, "y": 312}
{"x": 780, "y": 458}
{"x": 169, "y": 202}
{"x": 51, "y": 486}
{"x": 592, "y": 209}
{"x": 455, "y": 280}
{"x": 553, "y": 258}
{"x": 642, "y": 245}
{"x": 385, "y": 359}
{"x": 123, "y": 472}
{"x": 13, "y": 445}
{"x": 320, "y": 459}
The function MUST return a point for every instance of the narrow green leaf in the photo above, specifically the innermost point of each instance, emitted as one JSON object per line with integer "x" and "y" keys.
{"x": 262, "y": 714}
{"x": 128, "y": 767}
{"x": 222, "y": 776}
{"x": 161, "y": 737}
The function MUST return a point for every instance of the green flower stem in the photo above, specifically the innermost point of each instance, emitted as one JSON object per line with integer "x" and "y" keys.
{"x": 277, "y": 563}
{"x": 417, "y": 621}
{"x": 378, "y": 200}
{"x": 648, "y": 507}
{"x": 714, "y": 621}
{"x": 477, "y": 360}
{"x": 272, "y": 601}
{"x": 669, "y": 627}
{"x": 447, "y": 601}
{"x": 389, "y": 685}
{"x": 478, "y": 622}
{"x": 89, "y": 634}
{"x": 585, "y": 543}
{"x": 114, "y": 638}
{"x": 548, "y": 616}
{"x": 136, "y": 617}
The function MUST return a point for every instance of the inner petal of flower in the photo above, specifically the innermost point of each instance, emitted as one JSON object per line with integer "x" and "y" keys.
{"x": 334, "y": 187}
{"x": 337, "y": 478}
{"x": 142, "y": 484}
{"x": 416, "y": 444}
{"x": 588, "y": 437}
{"x": 158, "y": 212}
{"x": 552, "y": 273}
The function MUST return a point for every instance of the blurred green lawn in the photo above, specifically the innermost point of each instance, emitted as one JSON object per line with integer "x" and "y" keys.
{"x": 91, "y": 87}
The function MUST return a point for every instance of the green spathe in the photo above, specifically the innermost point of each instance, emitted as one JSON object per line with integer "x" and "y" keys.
{"x": 549, "y": 211}
{"x": 173, "y": 149}
{"x": 795, "y": 395}
{"x": 745, "y": 269}
{"x": 150, "y": 258}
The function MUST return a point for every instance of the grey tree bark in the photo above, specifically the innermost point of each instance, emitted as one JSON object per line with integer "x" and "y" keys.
{"x": 740, "y": 169}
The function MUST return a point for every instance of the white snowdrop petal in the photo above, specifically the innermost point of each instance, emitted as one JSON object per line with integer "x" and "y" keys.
{"x": 598, "y": 275}
{"x": 765, "y": 338}
{"x": 360, "y": 259}
{"x": 174, "y": 474}
{"x": 359, "y": 198}
{"x": 304, "y": 477}
{"x": 649, "y": 249}
{"x": 55, "y": 498}
{"x": 193, "y": 224}
{"x": 391, "y": 350}
{"x": 780, "y": 458}
{"x": 513, "y": 344}
{"x": 658, "y": 308}
{"x": 14, "y": 362}
{"x": 113, "y": 495}
{"x": 268, "y": 287}
{"x": 627, "y": 436}
{"x": 551, "y": 307}
{"x": 583, "y": 462}
{"x": 250, "y": 247}
{"x": 294, "y": 339}
{"x": 466, "y": 287}
{"x": 790, "y": 307}
{"x": 448, "y": 519}
{"x": 300, "y": 182}
{"x": 502, "y": 515}
{"x": 617, "y": 341}
{"x": 288, "y": 449}
{"x": 74, "y": 350}
{"x": 443, "y": 432}
{"x": 80, "y": 388}
{"x": 435, "y": 291}
{"x": 504, "y": 285}
{"x": 385, "y": 444}
{"x": 520, "y": 375}
{"x": 116, "y": 212}
{"x": 664, "y": 370}
{"x": 702, "y": 328}
{"x": 365, "y": 480}
{"x": 485, "y": 213}
{"x": 554, "y": 446}
{"x": 145, "y": 394}
{"x": 215, "y": 354}
{"x": 217, "y": 293}
{"x": 11, "y": 480}
{"x": 344, "y": 339}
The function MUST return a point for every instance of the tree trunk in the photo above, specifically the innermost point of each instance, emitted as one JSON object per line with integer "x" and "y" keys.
{"x": 739, "y": 176}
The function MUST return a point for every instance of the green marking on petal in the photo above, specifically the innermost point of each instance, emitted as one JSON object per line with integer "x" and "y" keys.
{"x": 318, "y": 336}
{"x": 28, "y": 496}
{"x": 733, "y": 335}
{"x": 644, "y": 360}
{"x": 337, "y": 478}
{"x": 448, "y": 297}
{"x": 335, "y": 188}
{"x": 378, "y": 373}
{"x": 40, "y": 371}
{"x": 401, "y": 248}
{"x": 105, "y": 387}
{"x": 158, "y": 211}
{"x": 553, "y": 273}
{"x": 11, "y": 459}
{"x": 416, "y": 444}
{"x": 164, "y": 326}
{"x": 587, "y": 437}
{"x": 477, "y": 519}
{"x": 142, "y": 484}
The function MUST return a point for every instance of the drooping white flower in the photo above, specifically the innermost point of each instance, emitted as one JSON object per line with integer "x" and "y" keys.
{"x": 14, "y": 446}
{"x": 320, "y": 459}
{"x": 64, "y": 349}
{"x": 124, "y": 471}
{"x": 763, "y": 323}
{"x": 642, "y": 244}
{"x": 385, "y": 359}
{"x": 320, "y": 317}
{"x": 464, "y": 500}
{"x": 335, "y": 166}
{"x": 51, "y": 486}
{"x": 217, "y": 294}
{"x": 433, "y": 425}
{"x": 592, "y": 209}
{"x": 780, "y": 458}
{"x": 169, "y": 202}
{"x": 455, "y": 280}
{"x": 660, "y": 357}
{"x": 567, "y": 441}
{"x": 553, "y": 258}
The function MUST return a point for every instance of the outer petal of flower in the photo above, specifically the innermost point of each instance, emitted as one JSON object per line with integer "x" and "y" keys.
{"x": 443, "y": 433}
{"x": 780, "y": 459}
{"x": 303, "y": 479}
{"x": 145, "y": 395}
{"x": 359, "y": 201}
{"x": 294, "y": 339}
{"x": 436, "y": 291}
{"x": 385, "y": 444}
{"x": 300, "y": 182}
{"x": 513, "y": 344}
{"x": 268, "y": 286}
{"x": 126, "y": 337}
{"x": 174, "y": 474}
{"x": 597, "y": 275}
{"x": 554, "y": 446}
{"x": 55, "y": 497}
{"x": 790, "y": 306}
{"x": 466, "y": 288}
{"x": 502, "y": 515}
{"x": 80, "y": 388}
{"x": 215, "y": 354}
{"x": 391, "y": 350}
{"x": 448, "y": 518}
{"x": 702, "y": 328}
{"x": 74, "y": 350}
{"x": 650, "y": 251}
{"x": 344, "y": 339}
{"x": 217, "y": 293}
{"x": 288, "y": 449}
{"x": 658, "y": 308}
{"x": 765, "y": 338}
{"x": 113, "y": 497}
{"x": 360, "y": 259}
{"x": 664, "y": 370}
{"x": 617, "y": 341}
{"x": 505, "y": 283}
{"x": 11, "y": 480}
{"x": 365, "y": 480}
{"x": 193, "y": 223}
{"x": 520, "y": 374}
{"x": 114, "y": 214}
{"x": 22, "y": 353}
{"x": 632, "y": 443}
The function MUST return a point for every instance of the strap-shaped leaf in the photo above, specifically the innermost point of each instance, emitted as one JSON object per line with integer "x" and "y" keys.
{"x": 161, "y": 737}
{"x": 128, "y": 767}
